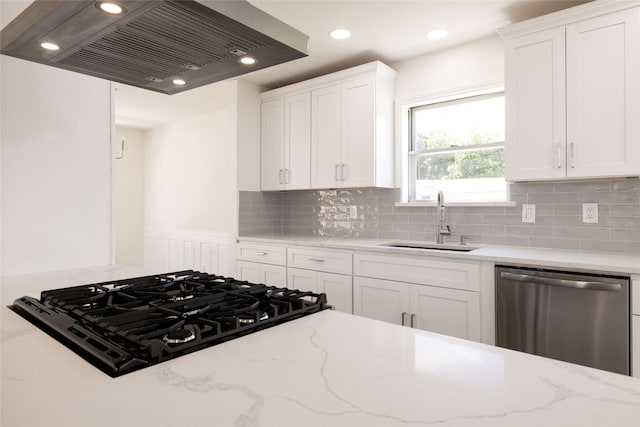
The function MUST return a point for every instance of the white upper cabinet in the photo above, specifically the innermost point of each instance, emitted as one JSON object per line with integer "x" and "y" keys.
{"x": 344, "y": 140}
{"x": 333, "y": 131}
{"x": 285, "y": 143}
{"x": 573, "y": 95}
{"x": 603, "y": 95}
{"x": 535, "y": 106}
{"x": 326, "y": 136}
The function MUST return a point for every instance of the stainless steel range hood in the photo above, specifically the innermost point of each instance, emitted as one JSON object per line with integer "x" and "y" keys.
{"x": 152, "y": 43}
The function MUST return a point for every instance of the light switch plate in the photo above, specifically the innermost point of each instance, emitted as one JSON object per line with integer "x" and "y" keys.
{"x": 590, "y": 213}
{"x": 353, "y": 212}
{"x": 528, "y": 213}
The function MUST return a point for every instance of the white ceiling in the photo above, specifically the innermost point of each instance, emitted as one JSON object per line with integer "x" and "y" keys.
{"x": 386, "y": 30}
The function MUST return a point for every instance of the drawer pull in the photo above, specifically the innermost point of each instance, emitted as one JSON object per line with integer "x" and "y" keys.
{"x": 316, "y": 259}
{"x": 262, "y": 253}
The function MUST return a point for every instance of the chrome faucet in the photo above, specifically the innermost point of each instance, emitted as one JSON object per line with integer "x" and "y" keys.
{"x": 442, "y": 228}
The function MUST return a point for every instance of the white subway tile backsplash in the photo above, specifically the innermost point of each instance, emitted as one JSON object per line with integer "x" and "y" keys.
{"x": 558, "y": 216}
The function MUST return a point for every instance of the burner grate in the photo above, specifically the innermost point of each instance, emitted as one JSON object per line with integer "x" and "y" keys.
{"x": 124, "y": 325}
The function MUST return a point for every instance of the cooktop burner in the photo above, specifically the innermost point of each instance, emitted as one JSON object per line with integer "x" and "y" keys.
{"x": 125, "y": 325}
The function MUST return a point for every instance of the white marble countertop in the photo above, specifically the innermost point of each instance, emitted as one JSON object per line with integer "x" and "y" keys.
{"x": 326, "y": 369}
{"x": 528, "y": 257}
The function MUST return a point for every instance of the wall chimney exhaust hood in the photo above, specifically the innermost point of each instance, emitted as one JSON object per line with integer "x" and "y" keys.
{"x": 167, "y": 46}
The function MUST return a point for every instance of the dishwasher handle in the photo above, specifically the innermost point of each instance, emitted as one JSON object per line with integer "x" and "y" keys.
{"x": 576, "y": 284}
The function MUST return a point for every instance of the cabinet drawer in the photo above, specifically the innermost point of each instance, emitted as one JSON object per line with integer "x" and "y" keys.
{"x": 264, "y": 254}
{"x": 327, "y": 260}
{"x": 458, "y": 274}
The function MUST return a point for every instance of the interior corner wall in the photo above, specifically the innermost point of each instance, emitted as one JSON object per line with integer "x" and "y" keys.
{"x": 248, "y": 137}
{"x": 55, "y": 169}
{"x": 188, "y": 175}
{"x": 128, "y": 195}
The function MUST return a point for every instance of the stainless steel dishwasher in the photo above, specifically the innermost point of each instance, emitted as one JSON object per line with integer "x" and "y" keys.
{"x": 574, "y": 317}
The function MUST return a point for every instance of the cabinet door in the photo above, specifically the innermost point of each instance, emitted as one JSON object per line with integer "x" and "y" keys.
{"x": 272, "y": 145}
{"x": 273, "y": 275}
{"x": 358, "y": 133}
{"x": 326, "y": 137}
{"x": 249, "y": 271}
{"x": 446, "y": 311}
{"x": 297, "y": 136}
{"x": 603, "y": 95}
{"x": 339, "y": 290}
{"x": 304, "y": 280}
{"x": 535, "y": 143}
{"x": 381, "y": 300}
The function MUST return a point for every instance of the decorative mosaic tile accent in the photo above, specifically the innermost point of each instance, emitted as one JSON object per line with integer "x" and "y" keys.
{"x": 558, "y": 216}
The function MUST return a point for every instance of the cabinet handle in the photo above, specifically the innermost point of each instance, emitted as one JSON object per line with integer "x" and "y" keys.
{"x": 261, "y": 253}
{"x": 286, "y": 176}
{"x": 558, "y": 157}
{"x": 413, "y": 318}
{"x": 402, "y": 316}
{"x": 316, "y": 259}
{"x": 573, "y": 159}
{"x": 280, "y": 176}
{"x": 335, "y": 173}
{"x": 342, "y": 172}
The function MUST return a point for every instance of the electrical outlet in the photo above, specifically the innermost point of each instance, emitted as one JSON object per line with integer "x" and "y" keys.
{"x": 590, "y": 213}
{"x": 528, "y": 213}
{"x": 353, "y": 212}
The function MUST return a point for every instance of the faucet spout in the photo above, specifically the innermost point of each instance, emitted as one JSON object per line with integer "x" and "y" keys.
{"x": 442, "y": 228}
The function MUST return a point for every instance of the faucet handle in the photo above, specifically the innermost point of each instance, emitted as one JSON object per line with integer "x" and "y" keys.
{"x": 463, "y": 239}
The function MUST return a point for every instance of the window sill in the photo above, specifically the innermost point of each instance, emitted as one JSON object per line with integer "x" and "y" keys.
{"x": 457, "y": 204}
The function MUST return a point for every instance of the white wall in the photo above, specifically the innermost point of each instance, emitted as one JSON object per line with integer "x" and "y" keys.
{"x": 55, "y": 169}
{"x": 187, "y": 174}
{"x": 476, "y": 63}
{"x": 128, "y": 196}
{"x": 248, "y": 136}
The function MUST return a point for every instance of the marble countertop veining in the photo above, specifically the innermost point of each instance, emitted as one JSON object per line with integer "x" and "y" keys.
{"x": 326, "y": 369}
{"x": 530, "y": 257}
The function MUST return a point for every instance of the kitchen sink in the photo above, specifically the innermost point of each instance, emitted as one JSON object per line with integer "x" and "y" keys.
{"x": 431, "y": 246}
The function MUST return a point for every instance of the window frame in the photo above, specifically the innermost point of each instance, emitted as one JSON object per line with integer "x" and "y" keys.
{"x": 406, "y": 164}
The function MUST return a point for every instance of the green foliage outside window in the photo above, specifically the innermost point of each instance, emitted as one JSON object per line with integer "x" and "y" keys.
{"x": 472, "y": 163}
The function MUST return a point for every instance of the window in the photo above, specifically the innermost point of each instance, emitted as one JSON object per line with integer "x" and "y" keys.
{"x": 457, "y": 146}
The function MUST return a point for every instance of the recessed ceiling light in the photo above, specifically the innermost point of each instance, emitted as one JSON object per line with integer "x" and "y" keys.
{"x": 179, "y": 82}
{"x": 49, "y": 46}
{"x": 440, "y": 33}
{"x": 112, "y": 8}
{"x": 340, "y": 34}
{"x": 247, "y": 60}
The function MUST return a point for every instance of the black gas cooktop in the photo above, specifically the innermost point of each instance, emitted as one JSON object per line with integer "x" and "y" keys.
{"x": 125, "y": 325}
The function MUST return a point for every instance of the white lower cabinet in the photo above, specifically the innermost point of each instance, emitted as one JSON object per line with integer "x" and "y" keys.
{"x": 446, "y": 311}
{"x": 262, "y": 264}
{"x": 322, "y": 270}
{"x": 431, "y": 293}
{"x": 336, "y": 286}
{"x": 381, "y": 299}
{"x": 272, "y": 275}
